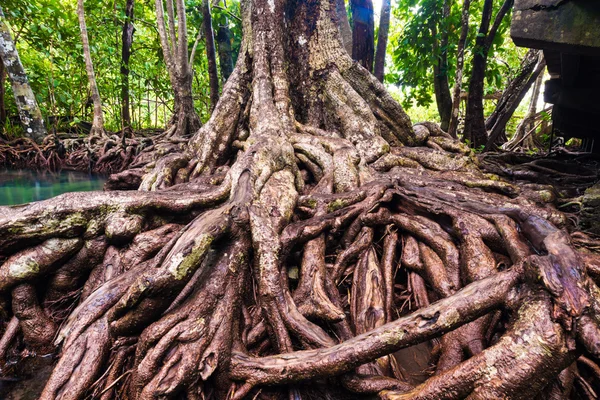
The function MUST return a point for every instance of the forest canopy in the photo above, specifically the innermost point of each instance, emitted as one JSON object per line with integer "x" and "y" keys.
{"x": 47, "y": 36}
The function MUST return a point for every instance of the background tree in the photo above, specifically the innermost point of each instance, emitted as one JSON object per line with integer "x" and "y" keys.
{"x": 363, "y": 32}
{"x": 29, "y": 112}
{"x": 2, "y": 94}
{"x": 423, "y": 68}
{"x": 98, "y": 120}
{"x": 532, "y": 66}
{"x": 419, "y": 64}
{"x": 344, "y": 25}
{"x": 174, "y": 42}
{"x": 524, "y": 137}
{"x": 126, "y": 43}
{"x": 50, "y": 34}
{"x": 441, "y": 83}
{"x": 224, "y": 45}
{"x": 213, "y": 76}
{"x": 475, "y": 132}
{"x": 49, "y": 31}
{"x": 382, "y": 39}
{"x": 460, "y": 63}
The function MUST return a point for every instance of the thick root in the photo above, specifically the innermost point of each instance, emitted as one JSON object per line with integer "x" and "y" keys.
{"x": 302, "y": 236}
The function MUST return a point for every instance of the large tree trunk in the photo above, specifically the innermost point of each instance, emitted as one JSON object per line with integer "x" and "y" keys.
{"x": 126, "y": 41}
{"x": 263, "y": 260}
{"x": 440, "y": 68}
{"x": 382, "y": 39}
{"x": 29, "y": 111}
{"x": 225, "y": 52}
{"x": 475, "y": 131}
{"x": 209, "y": 40}
{"x": 98, "y": 120}
{"x": 363, "y": 32}
{"x": 531, "y": 67}
{"x": 172, "y": 32}
{"x": 460, "y": 65}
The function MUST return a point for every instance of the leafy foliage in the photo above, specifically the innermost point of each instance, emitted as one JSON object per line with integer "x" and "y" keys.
{"x": 48, "y": 40}
{"x": 414, "y": 54}
{"x": 49, "y": 44}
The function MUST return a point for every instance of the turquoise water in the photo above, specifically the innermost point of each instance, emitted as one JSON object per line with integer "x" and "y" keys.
{"x": 24, "y": 186}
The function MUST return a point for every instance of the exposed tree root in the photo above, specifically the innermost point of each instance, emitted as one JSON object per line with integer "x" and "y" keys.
{"x": 295, "y": 240}
{"x": 104, "y": 154}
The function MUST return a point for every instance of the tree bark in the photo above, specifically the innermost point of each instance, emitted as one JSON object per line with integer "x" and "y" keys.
{"x": 2, "y": 94}
{"x": 363, "y": 32}
{"x": 213, "y": 77}
{"x": 29, "y": 111}
{"x": 98, "y": 120}
{"x": 514, "y": 86}
{"x": 440, "y": 68}
{"x": 475, "y": 131}
{"x": 460, "y": 65}
{"x": 527, "y": 125}
{"x": 127, "y": 41}
{"x": 344, "y": 25}
{"x": 535, "y": 96}
{"x": 531, "y": 67}
{"x": 174, "y": 44}
{"x": 382, "y": 39}
{"x": 224, "y": 49}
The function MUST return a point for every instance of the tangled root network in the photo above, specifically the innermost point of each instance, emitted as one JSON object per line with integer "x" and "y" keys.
{"x": 308, "y": 242}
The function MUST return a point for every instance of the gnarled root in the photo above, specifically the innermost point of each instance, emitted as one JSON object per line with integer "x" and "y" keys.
{"x": 302, "y": 236}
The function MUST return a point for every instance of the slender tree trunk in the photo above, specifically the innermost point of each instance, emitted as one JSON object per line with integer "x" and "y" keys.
{"x": 537, "y": 88}
{"x": 2, "y": 94}
{"x": 474, "y": 119}
{"x": 98, "y": 121}
{"x": 460, "y": 65}
{"x": 174, "y": 44}
{"x": 514, "y": 87}
{"x": 127, "y": 41}
{"x": 344, "y": 25}
{"x": 531, "y": 67}
{"x": 382, "y": 39}
{"x": 225, "y": 53}
{"x": 440, "y": 68}
{"x": 363, "y": 33}
{"x": 528, "y": 123}
{"x": 213, "y": 77}
{"x": 475, "y": 131}
{"x": 29, "y": 111}
{"x": 224, "y": 49}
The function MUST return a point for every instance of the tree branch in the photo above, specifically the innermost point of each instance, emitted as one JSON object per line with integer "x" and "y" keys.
{"x": 171, "y": 27}
{"x": 182, "y": 37}
{"x": 497, "y": 21}
{"x": 164, "y": 40}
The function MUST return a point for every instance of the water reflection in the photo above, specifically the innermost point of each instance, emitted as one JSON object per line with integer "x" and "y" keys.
{"x": 24, "y": 186}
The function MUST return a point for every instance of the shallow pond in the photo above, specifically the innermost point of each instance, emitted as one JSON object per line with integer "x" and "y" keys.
{"x": 24, "y": 186}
